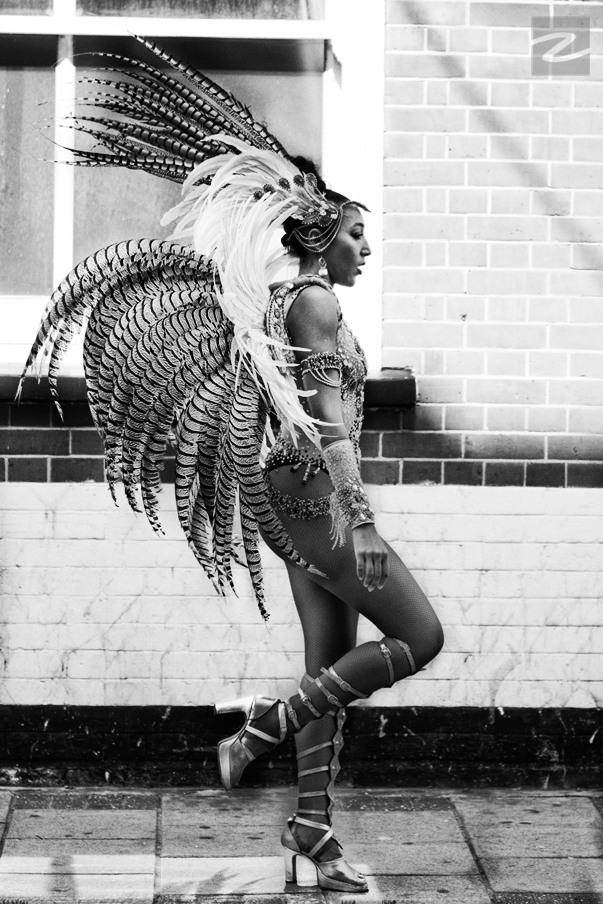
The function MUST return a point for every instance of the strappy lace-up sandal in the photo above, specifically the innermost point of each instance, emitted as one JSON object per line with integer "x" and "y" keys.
{"x": 334, "y": 875}
{"x": 332, "y": 872}
{"x": 234, "y": 753}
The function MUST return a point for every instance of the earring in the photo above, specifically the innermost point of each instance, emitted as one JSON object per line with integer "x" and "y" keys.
{"x": 323, "y": 270}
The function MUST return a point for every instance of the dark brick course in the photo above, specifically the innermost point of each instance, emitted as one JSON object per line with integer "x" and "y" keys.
{"x": 381, "y": 419}
{"x": 588, "y": 448}
{"x": 423, "y": 417}
{"x": 503, "y": 445}
{"x": 76, "y": 470}
{"x": 468, "y": 473}
{"x": 34, "y": 442}
{"x": 585, "y": 475}
{"x": 75, "y": 414}
{"x": 4, "y": 411}
{"x": 421, "y": 445}
{"x": 369, "y": 445}
{"x": 31, "y": 415}
{"x": 504, "y": 474}
{"x": 543, "y": 474}
{"x": 27, "y": 469}
{"x": 414, "y": 471}
{"x": 397, "y": 447}
{"x": 86, "y": 442}
{"x": 380, "y": 472}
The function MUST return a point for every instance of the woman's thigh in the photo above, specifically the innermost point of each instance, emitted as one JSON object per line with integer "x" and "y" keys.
{"x": 329, "y": 624}
{"x": 400, "y": 609}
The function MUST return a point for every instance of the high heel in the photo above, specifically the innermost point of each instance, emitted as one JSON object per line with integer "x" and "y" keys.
{"x": 233, "y": 753}
{"x": 332, "y": 875}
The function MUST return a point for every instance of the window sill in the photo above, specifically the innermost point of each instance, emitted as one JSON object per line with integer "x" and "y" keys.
{"x": 384, "y": 389}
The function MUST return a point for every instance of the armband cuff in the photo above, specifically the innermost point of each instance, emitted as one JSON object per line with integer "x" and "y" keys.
{"x": 349, "y": 503}
{"x": 316, "y": 365}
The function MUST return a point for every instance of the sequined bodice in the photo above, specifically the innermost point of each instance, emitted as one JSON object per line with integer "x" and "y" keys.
{"x": 353, "y": 374}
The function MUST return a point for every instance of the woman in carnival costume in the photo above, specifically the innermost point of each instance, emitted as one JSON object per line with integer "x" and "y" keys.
{"x": 188, "y": 341}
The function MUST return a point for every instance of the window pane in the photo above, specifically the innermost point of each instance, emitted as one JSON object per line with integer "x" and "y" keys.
{"x": 206, "y": 9}
{"x": 114, "y": 204}
{"x": 26, "y": 180}
{"x": 24, "y": 7}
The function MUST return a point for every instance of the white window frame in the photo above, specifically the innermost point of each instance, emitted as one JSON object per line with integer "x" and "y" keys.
{"x": 353, "y": 110}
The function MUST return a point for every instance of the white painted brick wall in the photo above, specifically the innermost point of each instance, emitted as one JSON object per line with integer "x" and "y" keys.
{"x": 96, "y": 610}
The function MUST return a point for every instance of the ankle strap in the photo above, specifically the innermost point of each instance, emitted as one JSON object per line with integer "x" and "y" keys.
{"x": 328, "y": 833}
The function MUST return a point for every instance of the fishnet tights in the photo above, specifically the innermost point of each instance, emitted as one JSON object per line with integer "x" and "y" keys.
{"x": 328, "y": 609}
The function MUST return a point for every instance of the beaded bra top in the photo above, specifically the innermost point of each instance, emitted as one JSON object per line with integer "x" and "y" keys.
{"x": 353, "y": 372}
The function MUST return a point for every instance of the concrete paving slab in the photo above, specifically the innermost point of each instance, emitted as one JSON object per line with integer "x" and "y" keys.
{"x": 412, "y": 859}
{"x": 60, "y": 847}
{"x": 524, "y": 809}
{"x": 78, "y": 864}
{"x": 221, "y": 876}
{"x": 295, "y": 896}
{"x": 545, "y": 875}
{"x": 113, "y": 824}
{"x": 403, "y": 826}
{"x": 67, "y": 889}
{"x": 61, "y": 799}
{"x": 186, "y": 841}
{"x": 391, "y": 801}
{"x": 227, "y": 816}
{"x": 417, "y": 890}
{"x": 257, "y": 809}
{"x": 537, "y": 841}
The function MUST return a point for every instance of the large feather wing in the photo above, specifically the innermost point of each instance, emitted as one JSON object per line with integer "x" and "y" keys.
{"x": 158, "y": 356}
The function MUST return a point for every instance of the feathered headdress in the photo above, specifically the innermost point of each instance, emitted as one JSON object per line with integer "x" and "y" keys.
{"x": 178, "y": 333}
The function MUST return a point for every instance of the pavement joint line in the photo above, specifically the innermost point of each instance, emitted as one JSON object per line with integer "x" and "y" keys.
{"x": 597, "y": 802}
{"x": 482, "y": 872}
{"x": 9, "y": 816}
{"x": 158, "y": 847}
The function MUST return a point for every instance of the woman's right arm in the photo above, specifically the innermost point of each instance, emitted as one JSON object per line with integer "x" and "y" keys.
{"x": 312, "y": 323}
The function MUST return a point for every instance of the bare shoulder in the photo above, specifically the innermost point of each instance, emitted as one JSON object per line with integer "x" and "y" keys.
{"x": 315, "y": 313}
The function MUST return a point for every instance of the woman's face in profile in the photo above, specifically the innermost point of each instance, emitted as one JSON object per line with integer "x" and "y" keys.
{"x": 347, "y": 252}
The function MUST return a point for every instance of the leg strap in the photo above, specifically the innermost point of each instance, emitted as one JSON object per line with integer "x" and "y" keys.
{"x": 307, "y": 702}
{"x": 310, "y": 750}
{"x": 330, "y": 697}
{"x": 292, "y": 716}
{"x": 409, "y": 656}
{"x": 387, "y": 655}
{"x": 344, "y": 685}
{"x": 314, "y": 771}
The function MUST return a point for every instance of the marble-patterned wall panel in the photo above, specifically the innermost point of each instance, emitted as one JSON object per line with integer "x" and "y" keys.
{"x": 97, "y": 610}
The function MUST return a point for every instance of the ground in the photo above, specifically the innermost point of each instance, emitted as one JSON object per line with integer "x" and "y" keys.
{"x": 176, "y": 846}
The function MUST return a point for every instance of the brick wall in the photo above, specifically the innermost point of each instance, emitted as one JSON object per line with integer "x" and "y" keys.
{"x": 96, "y": 610}
{"x": 493, "y": 251}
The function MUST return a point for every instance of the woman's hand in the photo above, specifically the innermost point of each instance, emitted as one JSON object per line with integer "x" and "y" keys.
{"x": 371, "y": 556}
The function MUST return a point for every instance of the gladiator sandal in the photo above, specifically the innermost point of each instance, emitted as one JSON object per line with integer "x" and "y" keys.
{"x": 332, "y": 871}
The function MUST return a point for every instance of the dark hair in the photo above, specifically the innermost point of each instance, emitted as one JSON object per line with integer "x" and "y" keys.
{"x": 289, "y": 240}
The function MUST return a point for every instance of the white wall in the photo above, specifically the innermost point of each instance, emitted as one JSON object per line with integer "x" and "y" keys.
{"x": 96, "y": 610}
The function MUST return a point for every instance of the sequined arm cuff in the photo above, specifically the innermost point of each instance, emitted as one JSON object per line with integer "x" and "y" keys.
{"x": 317, "y": 364}
{"x": 349, "y": 502}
